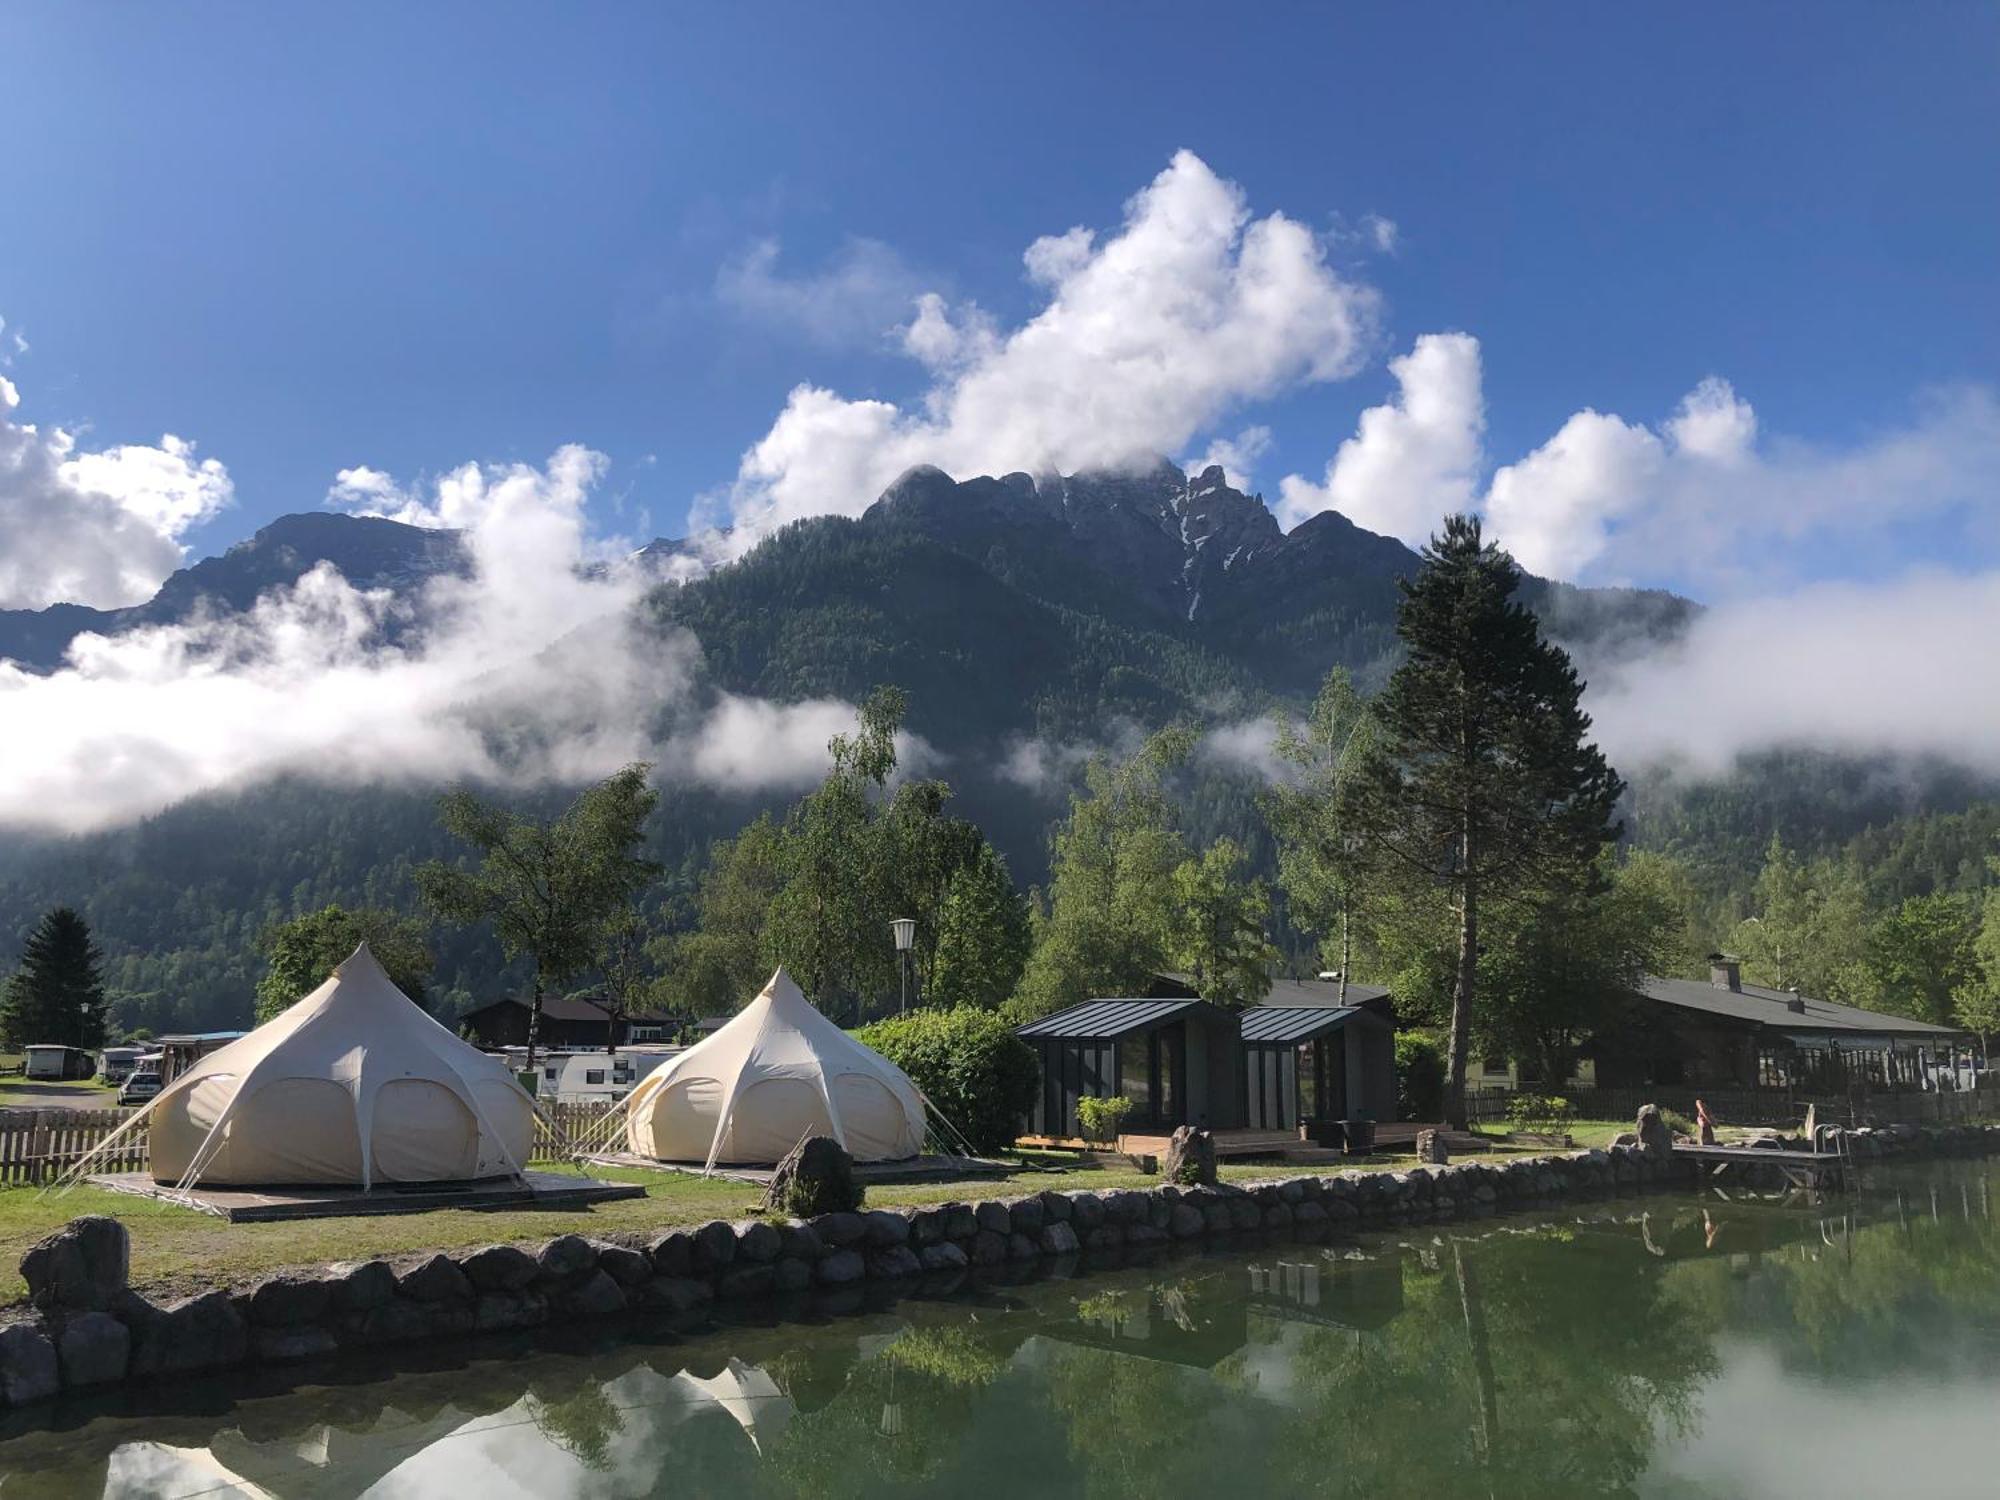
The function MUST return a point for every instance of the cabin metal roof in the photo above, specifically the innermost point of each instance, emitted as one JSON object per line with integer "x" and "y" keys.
{"x": 1107, "y": 1019}
{"x": 1273, "y": 1024}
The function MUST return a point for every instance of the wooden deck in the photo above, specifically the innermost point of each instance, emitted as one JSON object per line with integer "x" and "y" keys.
{"x": 1803, "y": 1169}
{"x": 263, "y": 1205}
{"x": 1283, "y": 1145}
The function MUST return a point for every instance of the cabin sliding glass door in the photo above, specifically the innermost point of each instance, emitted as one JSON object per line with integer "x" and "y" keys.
{"x": 1152, "y": 1073}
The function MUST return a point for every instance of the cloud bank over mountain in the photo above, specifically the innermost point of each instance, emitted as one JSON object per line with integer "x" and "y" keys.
{"x": 529, "y": 669}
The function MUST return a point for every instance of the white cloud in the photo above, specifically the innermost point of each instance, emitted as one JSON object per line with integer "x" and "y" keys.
{"x": 860, "y": 299}
{"x": 1705, "y": 500}
{"x": 1411, "y": 460}
{"x": 101, "y": 528}
{"x": 751, "y": 744}
{"x": 1860, "y": 667}
{"x": 1708, "y": 500}
{"x": 1238, "y": 456}
{"x": 1148, "y": 336}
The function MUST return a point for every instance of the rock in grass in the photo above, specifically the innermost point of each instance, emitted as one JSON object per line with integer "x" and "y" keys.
{"x": 80, "y": 1267}
{"x": 815, "y": 1177}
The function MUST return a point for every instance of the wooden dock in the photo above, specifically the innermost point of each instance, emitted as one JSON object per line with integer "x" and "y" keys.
{"x": 1816, "y": 1170}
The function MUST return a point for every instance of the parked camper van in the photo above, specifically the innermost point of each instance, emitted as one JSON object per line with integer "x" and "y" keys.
{"x": 597, "y": 1075}
{"x": 117, "y": 1063}
{"x": 52, "y": 1061}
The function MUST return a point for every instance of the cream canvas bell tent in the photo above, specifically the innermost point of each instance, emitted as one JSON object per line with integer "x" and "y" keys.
{"x": 354, "y": 1085}
{"x": 778, "y": 1072}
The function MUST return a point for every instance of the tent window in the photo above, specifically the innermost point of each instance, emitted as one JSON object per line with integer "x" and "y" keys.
{"x": 593, "y": 1075}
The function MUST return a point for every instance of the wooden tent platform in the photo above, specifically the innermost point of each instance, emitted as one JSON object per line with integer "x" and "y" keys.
{"x": 1390, "y": 1140}
{"x": 538, "y": 1190}
{"x": 912, "y": 1169}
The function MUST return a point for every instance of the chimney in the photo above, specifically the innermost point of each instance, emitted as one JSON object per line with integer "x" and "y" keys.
{"x": 1724, "y": 972}
{"x": 1795, "y": 1003}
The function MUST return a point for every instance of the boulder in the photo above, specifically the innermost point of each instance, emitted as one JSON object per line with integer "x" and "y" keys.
{"x": 28, "y": 1367}
{"x": 626, "y": 1266}
{"x": 677, "y": 1294}
{"x": 815, "y": 1177}
{"x": 94, "y": 1349}
{"x": 1431, "y": 1148}
{"x": 1186, "y": 1221}
{"x": 893, "y": 1262}
{"x": 943, "y": 1256}
{"x": 436, "y": 1279}
{"x": 673, "y": 1254}
{"x": 885, "y": 1229}
{"x": 500, "y": 1268}
{"x": 746, "y": 1279}
{"x": 567, "y": 1255}
{"x": 791, "y": 1275}
{"x": 595, "y": 1296}
{"x": 81, "y": 1267}
{"x": 202, "y": 1333}
{"x": 842, "y": 1267}
{"x": 960, "y": 1223}
{"x": 282, "y": 1301}
{"x": 359, "y": 1285}
{"x": 798, "y": 1241}
{"x": 1026, "y": 1216}
{"x": 993, "y": 1217}
{"x": 757, "y": 1241}
{"x": 498, "y": 1311}
{"x": 1057, "y": 1207}
{"x": 714, "y": 1246}
{"x": 1655, "y": 1138}
{"x": 1190, "y": 1157}
{"x": 840, "y": 1229}
{"x": 1059, "y": 1239}
{"x": 989, "y": 1248}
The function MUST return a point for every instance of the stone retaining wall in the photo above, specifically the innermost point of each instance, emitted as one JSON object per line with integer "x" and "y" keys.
{"x": 88, "y": 1328}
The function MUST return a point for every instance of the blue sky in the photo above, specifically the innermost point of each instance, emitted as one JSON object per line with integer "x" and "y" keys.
{"x": 410, "y": 236}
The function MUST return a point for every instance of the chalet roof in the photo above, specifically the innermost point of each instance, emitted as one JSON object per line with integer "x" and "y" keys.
{"x": 1109, "y": 1019}
{"x": 1756, "y": 1005}
{"x": 1321, "y": 992}
{"x": 567, "y": 1008}
{"x": 1301, "y": 1023}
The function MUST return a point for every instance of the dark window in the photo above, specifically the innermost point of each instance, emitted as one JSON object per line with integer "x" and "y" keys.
{"x": 1170, "y": 1079}
{"x": 593, "y": 1075}
{"x": 1135, "y": 1065}
{"x": 1308, "y": 1066}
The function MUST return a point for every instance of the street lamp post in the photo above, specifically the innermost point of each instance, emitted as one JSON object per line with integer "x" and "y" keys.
{"x": 905, "y": 931}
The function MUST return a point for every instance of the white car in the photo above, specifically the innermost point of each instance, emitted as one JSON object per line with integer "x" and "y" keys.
{"x": 139, "y": 1088}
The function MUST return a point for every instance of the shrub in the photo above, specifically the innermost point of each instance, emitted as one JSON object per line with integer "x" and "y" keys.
{"x": 1543, "y": 1114}
{"x": 969, "y": 1064}
{"x": 1419, "y": 1077}
{"x": 1101, "y": 1118}
{"x": 1677, "y": 1122}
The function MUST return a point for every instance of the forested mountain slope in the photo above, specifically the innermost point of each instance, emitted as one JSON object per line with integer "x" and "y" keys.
{"x": 1019, "y": 613}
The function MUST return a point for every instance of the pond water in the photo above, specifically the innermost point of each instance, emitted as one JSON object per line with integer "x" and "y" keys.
{"x": 1668, "y": 1347}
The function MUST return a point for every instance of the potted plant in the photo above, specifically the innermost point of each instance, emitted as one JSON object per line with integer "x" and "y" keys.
{"x": 1101, "y": 1119}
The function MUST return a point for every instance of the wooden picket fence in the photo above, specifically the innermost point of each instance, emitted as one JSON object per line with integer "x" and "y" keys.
{"x": 39, "y": 1145}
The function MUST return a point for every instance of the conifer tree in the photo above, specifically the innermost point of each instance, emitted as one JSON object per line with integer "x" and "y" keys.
{"x": 1484, "y": 783}
{"x": 57, "y": 994}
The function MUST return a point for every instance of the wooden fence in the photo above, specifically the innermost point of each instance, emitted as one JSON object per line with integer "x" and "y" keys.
{"x": 39, "y": 1145}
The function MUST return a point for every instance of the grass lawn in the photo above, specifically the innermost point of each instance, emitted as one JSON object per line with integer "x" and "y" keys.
{"x": 175, "y": 1250}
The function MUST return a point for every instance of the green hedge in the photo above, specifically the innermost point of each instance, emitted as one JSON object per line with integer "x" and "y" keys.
{"x": 1419, "y": 1077}
{"x": 969, "y": 1064}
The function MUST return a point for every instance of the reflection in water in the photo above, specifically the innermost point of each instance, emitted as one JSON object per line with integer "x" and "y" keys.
{"x": 1671, "y": 1349}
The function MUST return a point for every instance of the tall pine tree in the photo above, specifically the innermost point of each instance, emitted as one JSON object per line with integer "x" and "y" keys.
{"x": 57, "y": 994}
{"x": 1484, "y": 782}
